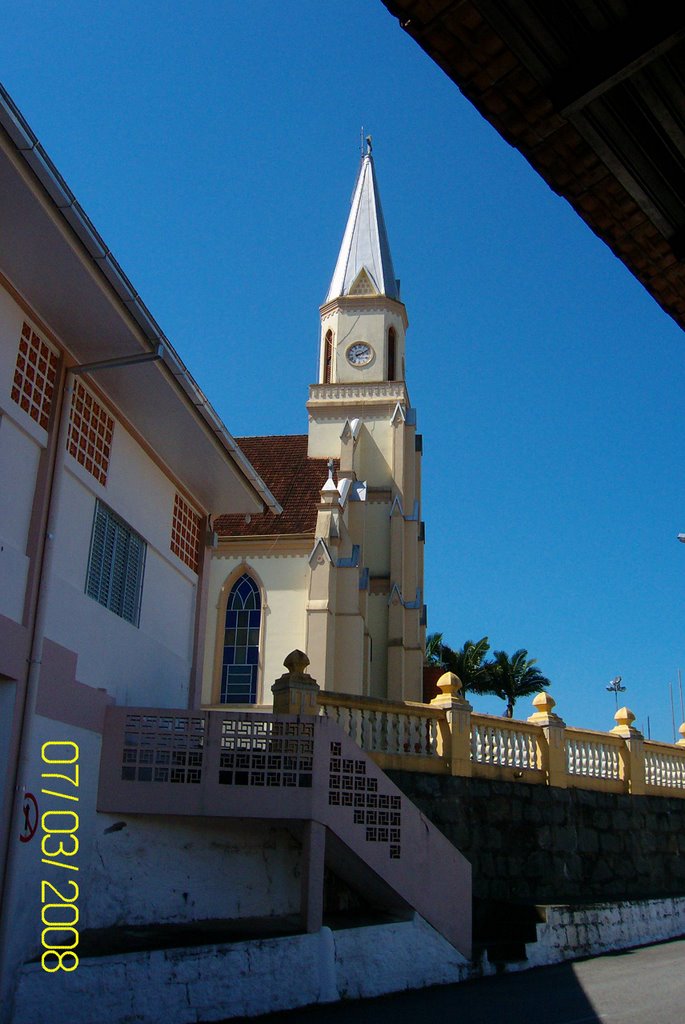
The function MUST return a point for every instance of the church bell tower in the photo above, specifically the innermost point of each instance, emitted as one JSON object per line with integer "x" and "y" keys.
{"x": 365, "y": 614}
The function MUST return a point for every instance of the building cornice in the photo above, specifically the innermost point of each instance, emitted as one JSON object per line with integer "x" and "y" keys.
{"x": 275, "y": 545}
{"x": 365, "y": 304}
{"x": 388, "y": 392}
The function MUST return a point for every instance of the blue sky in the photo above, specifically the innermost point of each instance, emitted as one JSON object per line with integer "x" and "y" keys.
{"x": 215, "y": 147}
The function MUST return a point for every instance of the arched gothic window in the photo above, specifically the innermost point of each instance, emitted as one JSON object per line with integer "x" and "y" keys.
{"x": 328, "y": 357}
{"x": 391, "y": 353}
{"x": 240, "y": 662}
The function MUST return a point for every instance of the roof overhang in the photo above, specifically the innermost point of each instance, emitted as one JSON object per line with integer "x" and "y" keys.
{"x": 54, "y": 258}
{"x": 593, "y": 96}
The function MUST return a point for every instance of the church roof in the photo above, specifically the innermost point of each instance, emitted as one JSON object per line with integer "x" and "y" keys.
{"x": 365, "y": 243}
{"x": 293, "y": 478}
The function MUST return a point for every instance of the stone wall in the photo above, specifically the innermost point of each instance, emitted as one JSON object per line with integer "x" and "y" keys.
{"x": 540, "y": 844}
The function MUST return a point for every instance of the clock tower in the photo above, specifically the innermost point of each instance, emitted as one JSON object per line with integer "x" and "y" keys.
{"x": 363, "y": 321}
{"x": 339, "y": 573}
{"x": 365, "y": 614}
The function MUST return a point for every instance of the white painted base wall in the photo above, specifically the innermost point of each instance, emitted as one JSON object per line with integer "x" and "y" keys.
{"x": 573, "y": 932}
{"x": 245, "y": 979}
{"x": 189, "y": 869}
{"x": 209, "y": 983}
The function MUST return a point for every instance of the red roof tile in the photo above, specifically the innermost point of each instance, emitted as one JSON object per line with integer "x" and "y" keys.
{"x": 293, "y": 478}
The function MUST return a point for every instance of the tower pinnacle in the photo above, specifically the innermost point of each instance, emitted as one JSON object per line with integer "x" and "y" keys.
{"x": 364, "y": 262}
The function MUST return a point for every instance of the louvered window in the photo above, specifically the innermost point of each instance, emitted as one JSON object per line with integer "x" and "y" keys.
{"x": 116, "y": 565}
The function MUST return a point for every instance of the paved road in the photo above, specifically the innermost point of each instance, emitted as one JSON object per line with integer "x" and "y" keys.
{"x": 641, "y": 986}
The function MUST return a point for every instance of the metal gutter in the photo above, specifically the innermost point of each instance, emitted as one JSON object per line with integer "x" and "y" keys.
{"x": 35, "y": 157}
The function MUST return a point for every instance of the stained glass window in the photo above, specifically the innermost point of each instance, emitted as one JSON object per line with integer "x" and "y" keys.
{"x": 241, "y": 643}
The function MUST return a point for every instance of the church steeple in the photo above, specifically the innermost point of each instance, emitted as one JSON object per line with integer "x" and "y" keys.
{"x": 363, "y": 321}
{"x": 365, "y": 603}
{"x": 364, "y": 265}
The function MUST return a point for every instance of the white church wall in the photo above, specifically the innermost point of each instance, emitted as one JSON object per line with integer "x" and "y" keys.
{"x": 378, "y": 628}
{"x": 349, "y": 650}
{"x": 366, "y": 322}
{"x": 324, "y": 438}
{"x": 360, "y": 324}
{"x": 284, "y": 579}
{"x": 376, "y": 551}
{"x": 373, "y": 458}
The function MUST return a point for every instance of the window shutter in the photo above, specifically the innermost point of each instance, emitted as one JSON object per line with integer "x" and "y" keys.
{"x": 116, "y": 565}
{"x": 133, "y": 578}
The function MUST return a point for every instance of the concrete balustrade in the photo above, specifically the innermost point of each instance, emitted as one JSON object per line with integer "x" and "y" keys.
{"x": 447, "y": 737}
{"x": 392, "y": 732}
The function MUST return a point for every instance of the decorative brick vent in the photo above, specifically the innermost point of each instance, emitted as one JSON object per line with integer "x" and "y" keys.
{"x": 185, "y": 533}
{"x": 90, "y": 433}
{"x": 378, "y": 813}
{"x": 35, "y": 375}
{"x": 266, "y": 753}
{"x": 163, "y": 748}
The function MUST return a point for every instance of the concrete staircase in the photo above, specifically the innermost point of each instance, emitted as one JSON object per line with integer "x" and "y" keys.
{"x": 304, "y": 771}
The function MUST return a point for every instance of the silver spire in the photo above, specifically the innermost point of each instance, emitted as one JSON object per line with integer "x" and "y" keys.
{"x": 365, "y": 242}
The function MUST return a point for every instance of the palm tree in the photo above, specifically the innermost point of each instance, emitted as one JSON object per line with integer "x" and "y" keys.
{"x": 469, "y": 664}
{"x": 433, "y": 654}
{"x": 514, "y": 677}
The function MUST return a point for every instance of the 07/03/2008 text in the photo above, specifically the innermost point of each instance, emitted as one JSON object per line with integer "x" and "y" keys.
{"x": 59, "y": 912}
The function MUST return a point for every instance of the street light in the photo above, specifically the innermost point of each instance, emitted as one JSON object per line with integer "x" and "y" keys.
{"x": 615, "y": 685}
{"x": 681, "y": 538}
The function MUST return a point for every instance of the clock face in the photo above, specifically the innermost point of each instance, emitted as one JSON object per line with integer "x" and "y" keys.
{"x": 359, "y": 354}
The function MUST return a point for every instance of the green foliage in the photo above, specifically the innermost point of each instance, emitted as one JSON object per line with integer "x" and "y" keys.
{"x": 504, "y": 676}
{"x": 433, "y": 654}
{"x": 516, "y": 676}
{"x": 469, "y": 664}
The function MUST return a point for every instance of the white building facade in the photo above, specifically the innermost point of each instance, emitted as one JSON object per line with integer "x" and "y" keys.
{"x": 111, "y": 463}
